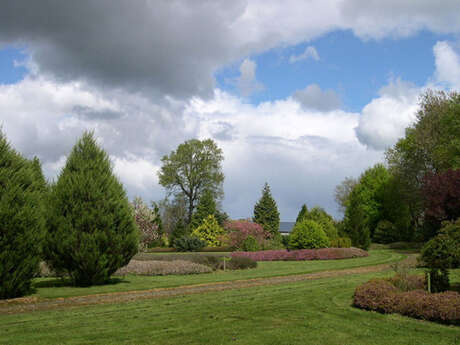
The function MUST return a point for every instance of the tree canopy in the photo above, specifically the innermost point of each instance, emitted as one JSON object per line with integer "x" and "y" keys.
{"x": 195, "y": 166}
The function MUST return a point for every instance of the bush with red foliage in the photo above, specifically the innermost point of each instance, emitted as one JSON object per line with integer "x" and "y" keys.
{"x": 441, "y": 193}
{"x": 382, "y": 296}
{"x": 303, "y": 254}
{"x": 239, "y": 230}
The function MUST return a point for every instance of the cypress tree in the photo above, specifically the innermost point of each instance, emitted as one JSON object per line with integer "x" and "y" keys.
{"x": 266, "y": 212}
{"x": 21, "y": 222}
{"x": 302, "y": 213}
{"x": 91, "y": 230}
{"x": 206, "y": 206}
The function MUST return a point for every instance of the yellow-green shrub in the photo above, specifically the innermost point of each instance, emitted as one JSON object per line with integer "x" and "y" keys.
{"x": 209, "y": 231}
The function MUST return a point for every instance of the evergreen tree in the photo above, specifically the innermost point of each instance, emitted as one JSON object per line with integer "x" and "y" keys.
{"x": 266, "y": 213}
{"x": 22, "y": 222}
{"x": 302, "y": 213}
{"x": 91, "y": 230}
{"x": 206, "y": 206}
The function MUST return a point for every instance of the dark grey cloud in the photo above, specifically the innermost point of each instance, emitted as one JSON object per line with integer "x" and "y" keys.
{"x": 89, "y": 113}
{"x": 223, "y": 131}
{"x": 172, "y": 47}
{"x": 312, "y": 97}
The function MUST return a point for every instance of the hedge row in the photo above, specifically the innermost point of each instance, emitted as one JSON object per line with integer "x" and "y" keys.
{"x": 303, "y": 254}
{"x": 382, "y": 296}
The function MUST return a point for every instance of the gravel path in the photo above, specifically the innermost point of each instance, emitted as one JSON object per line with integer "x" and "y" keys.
{"x": 28, "y": 304}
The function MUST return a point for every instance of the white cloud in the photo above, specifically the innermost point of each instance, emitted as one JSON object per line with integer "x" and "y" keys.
{"x": 247, "y": 83}
{"x": 310, "y": 52}
{"x": 312, "y": 97}
{"x": 447, "y": 63}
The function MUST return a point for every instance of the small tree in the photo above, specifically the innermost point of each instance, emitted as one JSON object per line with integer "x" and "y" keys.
{"x": 209, "y": 231}
{"x": 326, "y": 221}
{"x": 302, "y": 213}
{"x": 206, "y": 206}
{"x": 239, "y": 230}
{"x": 21, "y": 219}
{"x": 92, "y": 232}
{"x": 148, "y": 221}
{"x": 308, "y": 234}
{"x": 266, "y": 213}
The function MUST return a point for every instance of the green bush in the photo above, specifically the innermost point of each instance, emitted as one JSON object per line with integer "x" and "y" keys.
{"x": 250, "y": 244}
{"x": 240, "y": 263}
{"x": 385, "y": 232}
{"x": 340, "y": 242}
{"x": 308, "y": 234}
{"x": 209, "y": 231}
{"x": 91, "y": 230}
{"x": 188, "y": 244}
{"x": 21, "y": 222}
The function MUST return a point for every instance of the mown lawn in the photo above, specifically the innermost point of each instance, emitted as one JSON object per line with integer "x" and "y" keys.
{"x": 51, "y": 288}
{"x": 308, "y": 312}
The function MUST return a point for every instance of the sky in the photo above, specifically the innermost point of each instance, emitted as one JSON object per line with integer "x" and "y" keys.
{"x": 298, "y": 94}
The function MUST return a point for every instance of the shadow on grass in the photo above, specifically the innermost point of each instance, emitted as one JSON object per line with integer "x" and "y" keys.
{"x": 455, "y": 287}
{"x": 63, "y": 282}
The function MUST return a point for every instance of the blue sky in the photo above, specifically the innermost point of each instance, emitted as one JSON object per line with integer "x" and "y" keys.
{"x": 299, "y": 94}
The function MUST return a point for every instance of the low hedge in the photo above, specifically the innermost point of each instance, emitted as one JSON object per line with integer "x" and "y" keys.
{"x": 303, "y": 254}
{"x": 382, "y": 296}
{"x": 161, "y": 268}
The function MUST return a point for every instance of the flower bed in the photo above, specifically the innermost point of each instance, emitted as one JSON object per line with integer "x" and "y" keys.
{"x": 162, "y": 268}
{"x": 382, "y": 296}
{"x": 303, "y": 254}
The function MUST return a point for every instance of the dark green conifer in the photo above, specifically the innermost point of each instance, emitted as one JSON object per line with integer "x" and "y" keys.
{"x": 91, "y": 230}
{"x": 21, "y": 222}
{"x": 302, "y": 213}
{"x": 206, "y": 206}
{"x": 266, "y": 212}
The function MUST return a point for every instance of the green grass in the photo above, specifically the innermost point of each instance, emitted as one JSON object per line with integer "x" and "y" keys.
{"x": 50, "y": 288}
{"x": 308, "y": 312}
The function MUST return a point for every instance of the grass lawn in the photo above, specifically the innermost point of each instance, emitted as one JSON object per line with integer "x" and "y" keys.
{"x": 308, "y": 312}
{"x": 51, "y": 288}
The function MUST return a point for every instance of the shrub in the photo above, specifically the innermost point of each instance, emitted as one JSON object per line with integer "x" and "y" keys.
{"x": 239, "y": 230}
{"x": 161, "y": 268}
{"x": 385, "y": 232}
{"x": 320, "y": 216}
{"x": 188, "y": 244}
{"x": 91, "y": 230}
{"x": 308, "y": 234}
{"x": 148, "y": 222}
{"x": 21, "y": 222}
{"x": 240, "y": 263}
{"x": 442, "y": 253}
{"x": 209, "y": 231}
{"x": 340, "y": 242}
{"x": 250, "y": 244}
{"x": 304, "y": 254}
{"x": 382, "y": 296}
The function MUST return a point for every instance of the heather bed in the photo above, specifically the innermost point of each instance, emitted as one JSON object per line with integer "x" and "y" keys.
{"x": 304, "y": 254}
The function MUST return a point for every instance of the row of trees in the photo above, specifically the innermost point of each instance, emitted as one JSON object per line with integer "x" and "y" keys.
{"x": 82, "y": 225}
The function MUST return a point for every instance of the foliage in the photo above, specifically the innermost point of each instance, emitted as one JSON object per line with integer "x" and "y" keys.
{"x": 302, "y": 213}
{"x": 188, "y": 244}
{"x": 385, "y": 232}
{"x": 441, "y": 193}
{"x": 239, "y": 230}
{"x": 442, "y": 253}
{"x": 22, "y": 220}
{"x": 325, "y": 220}
{"x": 266, "y": 212}
{"x": 209, "y": 231}
{"x": 173, "y": 214}
{"x": 340, "y": 242}
{"x": 308, "y": 234}
{"x": 382, "y": 296}
{"x": 195, "y": 166}
{"x": 148, "y": 222}
{"x": 240, "y": 263}
{"x": 342, "y": 192}
{"x": 162, "y": 268}
{"x": 303, "y": 254}
{"x": 431, "y": 145}
{"x": 250, "y": 244}
{"x": 206, "y": 206}
{"x": 91, "y": 230}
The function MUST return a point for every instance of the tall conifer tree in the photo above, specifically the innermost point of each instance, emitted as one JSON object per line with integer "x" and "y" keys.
{"x": 91, "y": 230}
{"x": 21, "y": 221}
{"x": 266, "y": 212}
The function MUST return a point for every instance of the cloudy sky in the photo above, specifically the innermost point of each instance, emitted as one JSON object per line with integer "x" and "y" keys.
{"x": 299, "y": 94}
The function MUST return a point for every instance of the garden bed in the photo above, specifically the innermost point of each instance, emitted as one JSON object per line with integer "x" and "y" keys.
{"x": 303, "y": 254}
{"x": 384, "y": 297}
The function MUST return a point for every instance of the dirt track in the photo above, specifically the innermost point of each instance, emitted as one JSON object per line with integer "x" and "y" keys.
{"x": 29, "y": 304}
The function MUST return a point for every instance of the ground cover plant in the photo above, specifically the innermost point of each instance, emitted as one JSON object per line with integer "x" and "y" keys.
{"x": 307, "y": 312}
{"x": 162, "y": 268}
{"x": 52, "y": 287}
{"x": 303, "y": 254}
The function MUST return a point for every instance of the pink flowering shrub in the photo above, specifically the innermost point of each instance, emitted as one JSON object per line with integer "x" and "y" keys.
{"x": 303, "y": 254}
{"x": 239, "y": 230}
